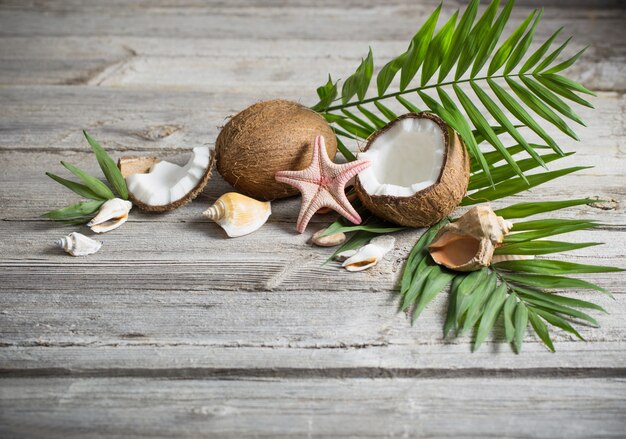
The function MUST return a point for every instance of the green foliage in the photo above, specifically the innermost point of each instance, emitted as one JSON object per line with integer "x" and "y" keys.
{"x": 91, "y": 187}
{"x": 536, "y": 90}
{"x": 517, "y": 292}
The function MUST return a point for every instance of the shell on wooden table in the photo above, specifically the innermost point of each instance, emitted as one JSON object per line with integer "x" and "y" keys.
{"x": 238, "y": 214}
{"x": 370, "y": 254}
{"x": 111, "y": 215}
{"x": 77, "y": 244}
{"x": 468, "y": 243}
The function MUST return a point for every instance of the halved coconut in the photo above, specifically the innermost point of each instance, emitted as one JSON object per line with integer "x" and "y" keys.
{"x": 419, "y": 171}
{"x": 160, "y": 186}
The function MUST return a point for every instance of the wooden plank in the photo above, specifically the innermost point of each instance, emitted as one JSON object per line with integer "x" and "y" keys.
{"x": 473, "y": 408}
{"x": 48, "y": 118}
{"x": 230, "y": 63}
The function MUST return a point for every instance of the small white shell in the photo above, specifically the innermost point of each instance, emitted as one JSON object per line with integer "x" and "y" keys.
{"x": 329, "y": 240}
{"x": 77, "y": 244}
{"x": 111, "y": 215}
{"x": 370, "y": 254}
{"x": 238, "y": 214}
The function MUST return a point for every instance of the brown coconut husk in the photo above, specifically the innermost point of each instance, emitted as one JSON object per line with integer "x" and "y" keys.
{"x": 434, "y": 203}
{"x": 135, "y": 165}
{"x": 265, "y": 138}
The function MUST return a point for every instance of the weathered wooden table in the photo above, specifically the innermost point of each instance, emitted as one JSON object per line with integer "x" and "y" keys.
{"x": 172, "y": 329}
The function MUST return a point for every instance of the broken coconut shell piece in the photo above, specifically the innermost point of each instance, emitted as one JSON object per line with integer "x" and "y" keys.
{"x": 238, "y": 214}
{"x": 419, "y": 171}
{"x": 161, "y": 186}
{"x": 468, "y": 243}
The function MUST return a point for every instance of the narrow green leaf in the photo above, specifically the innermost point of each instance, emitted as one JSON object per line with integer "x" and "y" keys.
{"x": 109, "y": 168}
{"x": 548, "y": 59}
{"x": 522, "y": 210}
{"x": 437, "y": 280}
{"x": 549, "y": 231}
{"x": 417, "y": 252}
{"x": 418, "y": 49}
{"x": 567, "y": 63}
{"x": 495, "y": 111}
{"x": 496, "y": 129}
{"x": 515, "y": 185}
{"x": 438, "y": 49}
{"x": 458, "y": 40}
{"x": 552, "y": 223}
{"x": 551, "y": 282}
{"x": 508, "y": 311}
{"x": 520, "y": 323}
{"x": 541, "y": 247}
{"x": 477, "y": 302}
{"x": 390, "y": 115}
{"x": 75, "y": 211}
{"x": 506, "y": 171}
{"x": 471, "y": 285}
{"x": 540, "y": 108}
{"x": 521, "y": 114}
{"x": 417, "y": 283}
{"x": 553, "y": 307}
{"x": 355, "y": 129}
{"x": 552, "y": 99}
{"x": 408, "y": 105}
{"x": 453, "y": 117}
{"x": 545, "y": 266}
{"x": 506, "y": 49}
{"x": 522, "y": 47}
{"x": 359, "y": 81}
{"x": 540, "y": 328}
{"x": 490, "y": 314}
{"x": 327, "y": 94}
{"x": 377, "y": 121}
{"x": 557, "y": 299}
{"x": 78, "y": 188}
{"x": 345, "y": 151}
{"x": 495, "y": 156}
{"x": 489, "y": 43}
{"x": 557, "y": 321}
{"x": 388, "y": 72}
{"x": 372, "y": 228}
{"x": 450, "y": 322}
{"x": 358, "y": 120}
{"x": 566, "y": 82}
{"x": 98, "y": 188}
{"x": 474, "y": 40}
{"x": 565, "y": 92}
{"x": 538, "y": 54}
{"x": 483, "y": 126}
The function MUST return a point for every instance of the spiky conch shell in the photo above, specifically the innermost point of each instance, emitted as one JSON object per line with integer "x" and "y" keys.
{"x": 468, "y": 244}
{"x": 265, "y": 138}
{"x": 435, "y": 202}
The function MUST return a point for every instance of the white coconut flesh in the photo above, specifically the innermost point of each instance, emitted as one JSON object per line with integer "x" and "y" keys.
{"x": 405, "y": 159}
{"x": 167, "y": 182}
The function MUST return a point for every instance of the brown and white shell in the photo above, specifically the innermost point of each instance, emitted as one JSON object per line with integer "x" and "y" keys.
{"x": 468, "y": 243}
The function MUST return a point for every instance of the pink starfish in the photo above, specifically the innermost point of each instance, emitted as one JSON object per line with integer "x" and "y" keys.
{"x": 322, "y": 184}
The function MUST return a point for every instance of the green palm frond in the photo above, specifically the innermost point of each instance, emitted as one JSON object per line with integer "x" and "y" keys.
{"x": 478, "y": 77}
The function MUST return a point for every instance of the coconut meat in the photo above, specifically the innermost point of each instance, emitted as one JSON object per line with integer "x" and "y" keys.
{"x": 406, "y": 158}
{"x": 167, "y": 182}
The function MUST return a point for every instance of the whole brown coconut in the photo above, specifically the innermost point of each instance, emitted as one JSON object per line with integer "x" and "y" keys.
{"x": 419, "y": 173}
{"x": 265, "y": 138}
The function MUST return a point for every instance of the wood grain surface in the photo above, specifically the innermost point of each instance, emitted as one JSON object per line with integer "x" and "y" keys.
{"x": 174, "y": 330}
